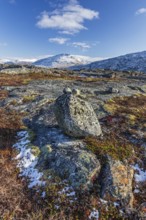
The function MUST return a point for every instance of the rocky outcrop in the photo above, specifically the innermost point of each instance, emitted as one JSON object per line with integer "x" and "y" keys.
{"x": 116, "y": 181}
{"x": 75, "y": 116}
{"x": 70, "y": 160}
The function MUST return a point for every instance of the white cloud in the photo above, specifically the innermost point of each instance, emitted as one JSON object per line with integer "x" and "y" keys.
{"x": 69, "y": 19}
{"x": 141, "y": 11}
{"x": 82, "y": 45}
{"x": 4, "y": 44}
{"x": 58, "y": 40}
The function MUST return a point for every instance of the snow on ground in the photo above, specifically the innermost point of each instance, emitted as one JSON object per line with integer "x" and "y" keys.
{"x": 140, "y": 175}
{"x": 27, "y": 161}
{"x": 68, "y": 190}
{"x": 94, "y": 214}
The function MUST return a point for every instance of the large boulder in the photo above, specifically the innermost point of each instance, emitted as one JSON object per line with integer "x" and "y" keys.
{"x": 75, "y": 116}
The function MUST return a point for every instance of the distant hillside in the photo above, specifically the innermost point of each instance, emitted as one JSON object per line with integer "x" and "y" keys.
{"x": 64, "y": 61}
{"x": 21, "y": 61}
{"x": 131, "y": 62}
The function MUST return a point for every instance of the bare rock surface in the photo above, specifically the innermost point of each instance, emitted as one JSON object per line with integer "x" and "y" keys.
{"x": 69, "y": 159}
{"x": 116, "y": 181}
{"x": 75, "y": 116}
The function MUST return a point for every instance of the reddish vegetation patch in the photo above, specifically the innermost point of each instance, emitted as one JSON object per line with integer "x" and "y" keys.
{"x": 10, "y": 120}
{"x": 3, "y": 94}
{"x": 13, "y": 197}
{"x": 12, "y": 80}
{"x": 133, "y": 105}
{"x": 23, "y": 79}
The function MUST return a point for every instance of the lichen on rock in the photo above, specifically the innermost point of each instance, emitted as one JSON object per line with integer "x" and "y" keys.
{"x": 116, "y": 181}
{"x": 75, "y": 116}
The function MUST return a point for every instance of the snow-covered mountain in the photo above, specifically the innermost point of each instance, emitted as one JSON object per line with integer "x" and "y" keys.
{"x": 2, "y": 61}
{"x": 64, "y": 61}
{"x": 17, "y": 60}
{"x": 131, "y": 62}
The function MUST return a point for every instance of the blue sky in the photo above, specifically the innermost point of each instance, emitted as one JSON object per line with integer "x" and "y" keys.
{"x": 96, "y": 28}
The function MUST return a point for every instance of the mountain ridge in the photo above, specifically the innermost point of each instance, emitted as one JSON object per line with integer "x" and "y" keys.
{"x": 129, "y": 62}
{"x": 64, "y": 61}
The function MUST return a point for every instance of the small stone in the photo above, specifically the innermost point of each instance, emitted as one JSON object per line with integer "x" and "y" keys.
{"x": 49, "y": 148}
{"x": 76, "y": 92}
{"x": 113, "y": 90}
{"x": 67, "y": 90}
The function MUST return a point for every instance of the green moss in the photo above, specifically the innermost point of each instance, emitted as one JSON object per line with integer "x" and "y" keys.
{"x": 111, "y": 107}
{"x": 31, "y": 134}
{"x": 28, "y": 98}
{"x": 131, "y": 119}
{"x": 114, "y": 148}
{"x": 110, "y": 212}
{"x": 14, "y": 102}
{"x": 35, "y": 150}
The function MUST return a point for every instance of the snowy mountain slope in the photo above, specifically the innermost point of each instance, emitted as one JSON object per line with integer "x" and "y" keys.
{"x": 17, "y": 60}
{"x": 133, "y": 61}
{"x": 64, "y": 61}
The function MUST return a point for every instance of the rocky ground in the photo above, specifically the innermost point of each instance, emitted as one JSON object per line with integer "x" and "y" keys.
{"x": 78, "y": 178}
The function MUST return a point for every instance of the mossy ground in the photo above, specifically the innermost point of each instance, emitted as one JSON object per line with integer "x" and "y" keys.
{"x": 112, "y": 146}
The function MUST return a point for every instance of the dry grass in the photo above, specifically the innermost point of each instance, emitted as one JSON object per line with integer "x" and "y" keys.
{"x": 132, "y": 111}
{"x": 10, "y": 120}
{"x": 13, "y": 80}
{"x": 133, "y": 106}
{"x": 13, "y": 197}
{"x": 23, "y": 79}
{"x": 3, "y": 94}
{"x": 118, "y": 149}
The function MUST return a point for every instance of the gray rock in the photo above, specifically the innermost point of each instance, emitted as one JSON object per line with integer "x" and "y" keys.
{"x": 143, "y": 88}
{"x": 116, "y": 181}
{"x": 67, "y": 90}
{"x": 76, "y": 92}
{"x": 70, "y": 160}
{"x": 76, "y": 117}
{"x": 113, "y": 90}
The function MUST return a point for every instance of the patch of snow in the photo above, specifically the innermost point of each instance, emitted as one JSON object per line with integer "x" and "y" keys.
{"x": 57, "y": 207}
{"x": 68, "y": 190}
{"x": 103, "y": 201}
{"x": 136, "y": 191}
{"x": 43, "y": 194}
{"x": 116, "y": 204}
{"x": 71, "y": 194}
{"x": 94, "y": 214}
{"x": 27, "y": 161}
{"x": 140, "y": 176}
